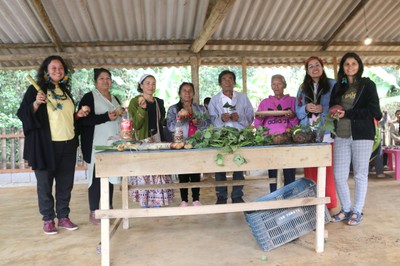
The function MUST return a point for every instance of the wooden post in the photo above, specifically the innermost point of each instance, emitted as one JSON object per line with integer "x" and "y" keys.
{"x": 194, "y": 65}
{"x": 3, "y": 150}
{"x": 244, "y": 75}
{"x": 12, "y": 147}
{"x": 335, "y": 67}
{"x": 21, "y": 143}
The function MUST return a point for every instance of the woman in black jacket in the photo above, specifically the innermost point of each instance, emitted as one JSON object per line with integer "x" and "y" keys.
{"x": 48, "y": 119}
{"x": 355, "y": 101}
{"x": 102, "y": 122}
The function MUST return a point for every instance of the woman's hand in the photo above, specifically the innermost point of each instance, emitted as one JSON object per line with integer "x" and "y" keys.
{"x": 40, "y": 99}
{"x": 196, "y": 121}
{"x": 290, "y": 114}
{"x": 314, "y": 108}
{"x": 310, "y": 107}
{"x": 340, "y": 113}
{"x": 112, "y": 115}
{"x": 83, "y": 112}
{"x": 183, "y": 114}
{"x": 142, "y": 102}
{"x": 318, "y": 109}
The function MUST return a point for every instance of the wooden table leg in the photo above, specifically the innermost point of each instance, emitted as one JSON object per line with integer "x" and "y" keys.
{"x": 321, "y": 183}
{"x": 279, "y": 178}
{"x": 105, "y": 223}
{"x": 125, "y": 199}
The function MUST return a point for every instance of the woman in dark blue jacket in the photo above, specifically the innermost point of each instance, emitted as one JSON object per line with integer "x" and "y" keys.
{"x": 355, "y": 101}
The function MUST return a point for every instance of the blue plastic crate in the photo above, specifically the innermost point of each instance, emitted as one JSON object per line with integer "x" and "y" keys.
{"x": 273, "y": 228}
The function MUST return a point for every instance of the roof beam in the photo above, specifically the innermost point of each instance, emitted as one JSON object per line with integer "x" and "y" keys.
{"x": 292, "y": 54}
{"x": 186, "y": 54}
{"x": 350, "y": 17}
{"x": 188, "y": 42}
{"x": 48, "y": 25}
{"x": 217, "y": 14}
{"x": 44, "y": 17}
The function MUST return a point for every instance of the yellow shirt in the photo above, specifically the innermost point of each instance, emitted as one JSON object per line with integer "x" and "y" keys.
{"x": 62, "y": 119}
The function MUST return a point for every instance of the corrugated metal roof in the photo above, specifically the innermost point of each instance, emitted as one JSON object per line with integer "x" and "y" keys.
{"x": 135, "y": 33}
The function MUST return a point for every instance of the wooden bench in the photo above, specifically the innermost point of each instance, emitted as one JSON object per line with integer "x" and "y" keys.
{"x": 202, "y": 161}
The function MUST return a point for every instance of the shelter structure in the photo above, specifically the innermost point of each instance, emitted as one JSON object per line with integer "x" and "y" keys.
{"x": 149, "y": 33}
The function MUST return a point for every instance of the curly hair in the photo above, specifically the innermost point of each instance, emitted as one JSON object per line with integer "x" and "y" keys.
{"x": 42, "y": 81}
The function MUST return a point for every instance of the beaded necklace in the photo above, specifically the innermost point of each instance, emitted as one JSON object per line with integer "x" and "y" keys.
{"x": 58, "y": 98}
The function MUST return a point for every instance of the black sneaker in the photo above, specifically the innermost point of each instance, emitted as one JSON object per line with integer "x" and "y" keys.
{"x": 221, "y": 200}
{"x": 238, "y": 200}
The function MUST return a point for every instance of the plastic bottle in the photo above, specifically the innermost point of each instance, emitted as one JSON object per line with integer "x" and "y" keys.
{"x": 126, "y": 126}
{"x": 178, "y": 132}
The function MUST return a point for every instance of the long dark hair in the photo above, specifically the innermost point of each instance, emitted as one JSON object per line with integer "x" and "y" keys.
{"x": 307, "y": 86}
{"x": 43, "y": 81}
{"x": 179, "y": 105}
{"x": 342, "y": 79}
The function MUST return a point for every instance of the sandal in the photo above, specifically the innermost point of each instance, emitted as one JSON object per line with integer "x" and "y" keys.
{"x": 341, "y": 216}
{"x": 383, "y": 176}
{"x": 355, "y": 220}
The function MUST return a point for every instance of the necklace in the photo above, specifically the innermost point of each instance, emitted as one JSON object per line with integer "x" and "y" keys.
{"x": 58, "y": 98}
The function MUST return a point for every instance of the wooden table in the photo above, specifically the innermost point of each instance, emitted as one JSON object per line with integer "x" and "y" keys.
{"x": 202, "y": 161}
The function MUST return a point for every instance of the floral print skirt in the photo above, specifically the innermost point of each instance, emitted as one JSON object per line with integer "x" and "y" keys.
{"x": 151, "y": 197}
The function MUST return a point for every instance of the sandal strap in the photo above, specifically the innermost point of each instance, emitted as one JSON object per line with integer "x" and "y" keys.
{"x": 357, "y": 218}
{"x": 337, "y": 217}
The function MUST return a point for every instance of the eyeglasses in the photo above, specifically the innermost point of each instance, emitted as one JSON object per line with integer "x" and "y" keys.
{"x": 310, "y": 67}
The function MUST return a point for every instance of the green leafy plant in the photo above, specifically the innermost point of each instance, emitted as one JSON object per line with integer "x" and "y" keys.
{"x": 201, "y": 116}
{"x": 229, "y": 140}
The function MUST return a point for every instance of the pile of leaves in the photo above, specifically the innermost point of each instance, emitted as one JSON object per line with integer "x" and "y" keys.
{"x": 229, "y": 140}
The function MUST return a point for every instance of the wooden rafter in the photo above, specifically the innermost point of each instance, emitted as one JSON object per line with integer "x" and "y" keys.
{"x": 350, "y": 17}
{"x": 187, "y": 43}
{"x": 44, "y": 17}
{"x": 218, "y": 13}
{"x": 188, "y": 54}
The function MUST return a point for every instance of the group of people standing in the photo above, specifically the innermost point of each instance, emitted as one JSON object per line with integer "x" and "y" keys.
{"x": 52, "y": 126}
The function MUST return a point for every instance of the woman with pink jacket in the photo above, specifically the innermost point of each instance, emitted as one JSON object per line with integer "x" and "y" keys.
{"x": 278, "y": 124}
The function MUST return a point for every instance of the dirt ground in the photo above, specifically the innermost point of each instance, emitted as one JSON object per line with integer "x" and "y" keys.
{"x": 218, "y": 239}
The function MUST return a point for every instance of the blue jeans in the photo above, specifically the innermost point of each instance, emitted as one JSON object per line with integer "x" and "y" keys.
{"x": 289, "y": 176}
{"x": 237, "y": 191}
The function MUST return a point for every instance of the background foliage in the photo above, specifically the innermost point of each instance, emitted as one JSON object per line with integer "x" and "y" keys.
{"x": 14, "y": 83}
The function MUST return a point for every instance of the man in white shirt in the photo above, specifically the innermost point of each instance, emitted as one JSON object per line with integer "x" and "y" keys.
{"x": 230, "y": 108}
{"x": 394, "y": 129}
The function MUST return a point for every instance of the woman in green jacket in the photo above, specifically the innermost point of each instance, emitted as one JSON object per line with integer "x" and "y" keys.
{"x": 148, "y": 113}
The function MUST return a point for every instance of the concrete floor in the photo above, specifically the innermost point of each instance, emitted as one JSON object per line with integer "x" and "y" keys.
{"x": 218, "y": 239}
